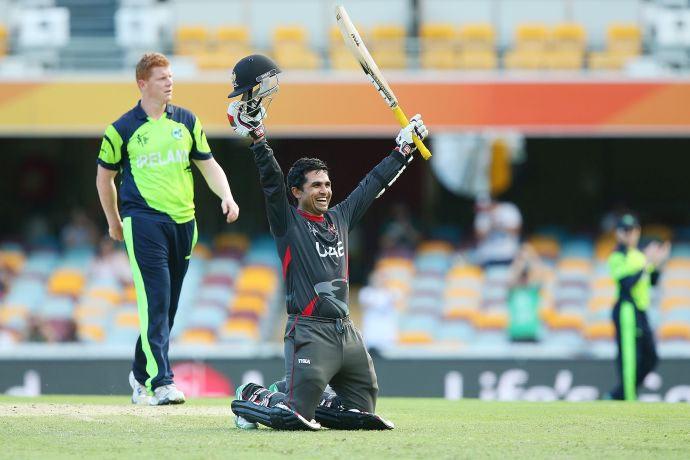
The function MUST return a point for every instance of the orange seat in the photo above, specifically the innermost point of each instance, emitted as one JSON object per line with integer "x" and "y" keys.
{"x": 465, "y": 271}
{"x": 91, "y": 333}
{"x": 127, "y": 319}
{"x": 674, "y": 331}
{"x": 414, "y": 338}
{"x": 233, "y": 241}
{"x": 462, "y": 313}
{"x": 491, "y": 320}
{"x": 565, "y": 321}
{"x": 249, "y": 303}
{"x": 198, "y": 336}
{"x": 191, "y": 40}
{"x": 110, "y": 295}
{"x": 9, "y": 312}
{"x": 600, "y": 331}
{"x": 66, "y": 282}
{"x": 673, "y": 302}
{"x": 258, "y": 279}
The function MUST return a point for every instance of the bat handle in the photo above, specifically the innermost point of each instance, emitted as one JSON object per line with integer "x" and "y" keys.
{"x": 402, "y": 119}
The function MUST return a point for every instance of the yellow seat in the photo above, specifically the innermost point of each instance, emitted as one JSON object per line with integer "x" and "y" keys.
{"x": 198, "y": 336}
{"x": 66, "y": 282}
{"x": 545, "y": 246}
{"x": 491, "y": 320}
{"x": 257, "y": 279}
{"x": 465, "y": 271}
{"x": 600, "y": 331}
{"x": 435, "y": 246}
{"x": 462, "y": 292}
{"x": 623, "y": 42}
{"x": 3, "y": 40}
{"x": 202, "y": 251}
{"x": 127, "y": 319}
{"x": 388, "y": 46}
{"x": 673, "y": 302}
{"x": 464, "y": 313}
{"x": 85, "y": 311}
{"x": 241, "y": 327}
{"x": 414, "y": 338}
{"x": 91, "y": 333}
{"x": 110, "y": 295}
{"x": 674, "y": 331}
{"x": 678, "y": 263}
{"x": 9, "y": 312}
{"x": 340, "y": 57}
{"x": 13, "y": 260}
{"x": 231, "y": 241}
{"x": 437, "y": 46}
{"x": 397, "y": 262}
{"x": 249, "y": 303}
{"x": 574, "y": 264}
{"x": 603, "y": 282}
{"x": 530, "y": 50}
{"x": 217, "y": 60}
{"x": 598, "y": 303}
{"x": 565, "y": 321}
{"x": 476, "y": 47}
{"x": 129, "y": 294}
{"x": 291, "y": 49}
{"x": 604, "y": 247}
{"x": 191, "y": 40}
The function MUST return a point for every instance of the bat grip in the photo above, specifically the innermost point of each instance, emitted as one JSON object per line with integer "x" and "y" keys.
{"x": 402, "y": 119}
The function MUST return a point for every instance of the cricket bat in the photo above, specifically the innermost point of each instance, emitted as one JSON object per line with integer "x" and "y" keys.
{"x": 359, "y": 51}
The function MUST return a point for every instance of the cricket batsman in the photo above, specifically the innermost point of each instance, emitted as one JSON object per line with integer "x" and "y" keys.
{"x": 322, "y": 345}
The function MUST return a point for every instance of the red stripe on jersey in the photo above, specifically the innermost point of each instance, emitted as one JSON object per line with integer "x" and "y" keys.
{"x": 310, "y": 216}
{"x": 287, "y": 258}
{"x": 310, "y": 308}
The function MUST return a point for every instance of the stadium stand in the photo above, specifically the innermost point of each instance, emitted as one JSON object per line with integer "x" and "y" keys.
{"x": 291, "y": 49}
{"x": 227, "y": 298}
{"x": 444, "y": 299}
{"x": 623, "y": 43}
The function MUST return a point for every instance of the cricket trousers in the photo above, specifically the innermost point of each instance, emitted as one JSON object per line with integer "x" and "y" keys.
{"x": 637, "y": 355}
{"x": 159, "y": 254}
{"x": 319, "y": 351}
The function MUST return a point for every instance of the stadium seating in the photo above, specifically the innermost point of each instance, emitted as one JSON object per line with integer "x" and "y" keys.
{"x": 388, "y": 46}
{"x": 476, "y": 47}
{"x": 291, "y": 49}
{"x": 339, "y": 56}
{"x": 530, "y": 49}
{"x": 438, "y": 43}
{"x": 623, "y": 42}
{"x": 226, "y": 297}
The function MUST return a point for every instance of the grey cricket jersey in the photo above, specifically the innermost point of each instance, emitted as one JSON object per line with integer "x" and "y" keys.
{"x": 314, "y": 249}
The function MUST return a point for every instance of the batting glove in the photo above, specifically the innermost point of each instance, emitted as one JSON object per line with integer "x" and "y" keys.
{"x": 404, "y": 139}
{"x": 244, "y": 124}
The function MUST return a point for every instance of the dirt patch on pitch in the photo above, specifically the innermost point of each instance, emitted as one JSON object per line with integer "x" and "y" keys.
{"x": 86, "y": 411}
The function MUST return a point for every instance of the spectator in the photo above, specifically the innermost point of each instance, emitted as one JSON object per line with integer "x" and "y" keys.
{"x": 80, "y": 232}
{"x": 111, "y": 263}
{"x": 527, "y": 275}
{"x": 497, "y": 227}
{"x": 399, "y": 234}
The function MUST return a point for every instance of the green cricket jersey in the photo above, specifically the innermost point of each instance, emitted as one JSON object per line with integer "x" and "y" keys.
{"x": 153, "y": 157}
{"x": 633, "y": 282}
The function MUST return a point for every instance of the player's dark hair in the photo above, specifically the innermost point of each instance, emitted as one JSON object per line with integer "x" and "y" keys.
{"x": 297, "y": 175}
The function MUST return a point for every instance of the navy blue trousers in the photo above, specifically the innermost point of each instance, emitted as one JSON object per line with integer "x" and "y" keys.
{"x": 159, "y": 254}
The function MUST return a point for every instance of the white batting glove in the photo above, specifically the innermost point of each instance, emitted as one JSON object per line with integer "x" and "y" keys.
{"x": 404, "y": 139}
{"x": 244, "y": 124}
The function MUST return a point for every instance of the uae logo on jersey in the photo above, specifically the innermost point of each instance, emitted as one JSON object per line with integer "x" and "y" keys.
{"x": 312, "y": 229}
{"x": 177, "y": 133}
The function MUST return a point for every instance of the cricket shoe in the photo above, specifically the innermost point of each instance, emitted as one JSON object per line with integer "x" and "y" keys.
{"x": 241, "y": 422}
{"x": 167, "y": 394}
{"x": 139, "y": 393}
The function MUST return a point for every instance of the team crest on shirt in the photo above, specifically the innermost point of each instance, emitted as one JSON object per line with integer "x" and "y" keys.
{"x": 312, "y": 229}
{"x": 177, "y": 133}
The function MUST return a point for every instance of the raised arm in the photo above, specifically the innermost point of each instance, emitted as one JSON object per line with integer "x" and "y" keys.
{"x": 270, "y": 175}
{"x": 383, "y": 175}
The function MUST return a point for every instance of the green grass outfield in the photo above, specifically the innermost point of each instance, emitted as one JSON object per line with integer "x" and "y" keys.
{"x": 109, "y": 427}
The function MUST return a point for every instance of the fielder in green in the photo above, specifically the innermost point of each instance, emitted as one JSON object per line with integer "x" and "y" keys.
{"x": 634, "y": 272}
{"x": 152, "y": 147}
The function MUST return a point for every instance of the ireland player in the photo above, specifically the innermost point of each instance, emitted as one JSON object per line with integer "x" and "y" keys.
{"x": 152, "y": 146}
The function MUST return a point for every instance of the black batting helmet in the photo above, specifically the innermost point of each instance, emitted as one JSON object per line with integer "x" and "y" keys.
{"x": 252, "y": 71}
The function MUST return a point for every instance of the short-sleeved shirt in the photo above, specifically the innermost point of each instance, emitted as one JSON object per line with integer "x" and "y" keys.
{"x": 153, "y": 157}
{"x": 629, "y": 264}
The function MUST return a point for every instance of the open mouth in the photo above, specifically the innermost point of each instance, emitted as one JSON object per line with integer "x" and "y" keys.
{"x": 322, "y": 201}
